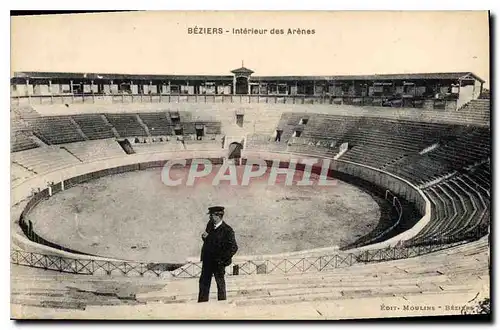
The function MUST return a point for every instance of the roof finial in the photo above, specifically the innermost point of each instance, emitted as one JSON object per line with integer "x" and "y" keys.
{"x": 242, "y": 64}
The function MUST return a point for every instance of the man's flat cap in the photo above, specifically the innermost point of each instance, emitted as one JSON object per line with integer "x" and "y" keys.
{"x": 216, "y": 209}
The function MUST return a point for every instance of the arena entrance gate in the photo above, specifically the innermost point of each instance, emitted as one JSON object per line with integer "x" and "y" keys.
{"x": 200, "y": 131}
{"x": 235, "y": 150}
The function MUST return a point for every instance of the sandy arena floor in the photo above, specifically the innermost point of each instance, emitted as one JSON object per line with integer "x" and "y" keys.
{"x": 136, "y": 216}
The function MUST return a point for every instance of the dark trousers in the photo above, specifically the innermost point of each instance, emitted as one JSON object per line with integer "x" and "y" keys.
{"x": 207, "y": 270}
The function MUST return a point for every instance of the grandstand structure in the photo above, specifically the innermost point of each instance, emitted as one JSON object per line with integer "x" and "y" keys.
{"x": 430, "y": 91}
{"x": 423, "y": 141}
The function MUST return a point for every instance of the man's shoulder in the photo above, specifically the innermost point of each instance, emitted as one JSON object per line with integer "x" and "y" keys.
{"x": 227, "y": 227}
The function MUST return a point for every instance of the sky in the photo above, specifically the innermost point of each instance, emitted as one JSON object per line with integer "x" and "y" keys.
{"x": 158, "y": 42}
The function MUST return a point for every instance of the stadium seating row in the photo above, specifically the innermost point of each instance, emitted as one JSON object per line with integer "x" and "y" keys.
{"x": 433, "y": 155}
{"x": 442, "y": 273}
{"x": 82, "y": 127}
{"x": 461, "y": 208}
{"x": 417, "y": 151}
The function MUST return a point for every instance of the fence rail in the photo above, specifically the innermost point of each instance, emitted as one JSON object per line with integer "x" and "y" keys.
{"x": 95, "y": 266}
{"x": 192, "y": 269}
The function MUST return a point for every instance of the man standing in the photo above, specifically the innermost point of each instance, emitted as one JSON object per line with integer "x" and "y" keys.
{"x": 219, "y": 246}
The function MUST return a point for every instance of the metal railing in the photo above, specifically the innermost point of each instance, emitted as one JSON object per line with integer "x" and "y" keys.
{"x": 250, "y": 267}
{"x": 96, "y": 266}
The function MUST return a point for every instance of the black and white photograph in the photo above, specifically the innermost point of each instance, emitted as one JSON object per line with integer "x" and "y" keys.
{"x": 250, "y": 165}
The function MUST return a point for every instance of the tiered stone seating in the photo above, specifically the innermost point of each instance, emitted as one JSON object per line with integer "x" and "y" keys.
{"x": 461, "y": 208}
{"x": 25, "y": 112}
{"x": 44, "y": 159}
{"x": 89, "y": 151}
{"x": 19, "y": 173}
{"x": 126, "y": 124}
{"x": 208, "y": 143}
{"x": 93, "y": 126}
{"x": 480, "y": 177}
{"x": 376, "y": 157}
{"x": 159, "y": 123}
{"x": 469, "y": 146}
{"x": 265, "y": 115}
{"x": 366, "y": 134}
{"x": 446, "y": 272}
{"x": 311, "y": 146}
{"x": 57, "y": 129}
{"x": 476, "y": 110}
{"x": 373, "y": 141}
{"x": 56, "y": 290}
{"x": 417, "y": 168}
{"x": 264, "y": 142}
{"x": 20, "y": 141}
{"x": 394, "y": 146}
{"x": 20, "y": 135}
{"x": 290, "y": 121}
{"x": 407, "y": 135}
{"x": 172, "y": 145}
{"x": 329, "y": 127}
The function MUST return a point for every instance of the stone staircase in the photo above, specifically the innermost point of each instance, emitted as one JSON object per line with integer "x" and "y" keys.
{"x": 462, "y": 271}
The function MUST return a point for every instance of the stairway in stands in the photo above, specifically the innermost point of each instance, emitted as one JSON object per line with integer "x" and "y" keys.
{"x": 477, "y": 110}
{"x": 462, "y": 269}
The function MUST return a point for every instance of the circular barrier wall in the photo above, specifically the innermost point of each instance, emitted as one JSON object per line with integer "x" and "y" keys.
{"x": 83, "y": 173}
{"x": 130, "y": 213}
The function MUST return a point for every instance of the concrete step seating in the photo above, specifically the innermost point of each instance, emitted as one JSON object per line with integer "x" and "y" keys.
{"x": 172, "y": 145}
{"x": 375, "y": 157}
{"x": 207, "y": 143}
{"x": 418, "y": 169}
{"x": 312, "y": 150}
{"x": 44, "y": 159}
{"x": 478, "y": 110}
{"x": 93, "y": 126}
{"x": 19, "y": 173}
{"x": 159, "y": 123}
{"x": 460, "y": 207}
{"x": 264, "y": 142}
{"x": 456, "y": 270}
{"x": 56, "y": 130}
{"x": 469, "y": 147}
{"x": 377, "y": 142}
{"x": 267, "y": 111}
{"x": 126, "y": 125}
{"x": 20, "y": 141}
{"x": 20, "y": 134}
{"x": 92, "y": 150}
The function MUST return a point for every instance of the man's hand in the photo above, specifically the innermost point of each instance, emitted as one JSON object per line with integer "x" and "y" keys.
{"x": 204, "y": 235}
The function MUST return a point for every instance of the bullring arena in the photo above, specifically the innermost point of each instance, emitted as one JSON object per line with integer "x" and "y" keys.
{"x": 405, "y": 220}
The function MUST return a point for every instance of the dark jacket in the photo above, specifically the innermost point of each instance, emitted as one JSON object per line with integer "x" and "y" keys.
{"x": 220, "y": 245}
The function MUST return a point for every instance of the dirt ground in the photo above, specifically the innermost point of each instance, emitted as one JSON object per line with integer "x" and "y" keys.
{"x": 135, "y": 216}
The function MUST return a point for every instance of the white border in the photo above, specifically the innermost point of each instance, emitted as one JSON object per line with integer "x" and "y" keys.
{"x": 190, "y": 5}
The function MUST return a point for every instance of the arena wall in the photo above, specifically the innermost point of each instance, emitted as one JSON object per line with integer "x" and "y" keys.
{"x": 46, "y": 99}
{"x": 378, "y": 177}
{"x": 87, "y": 171}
